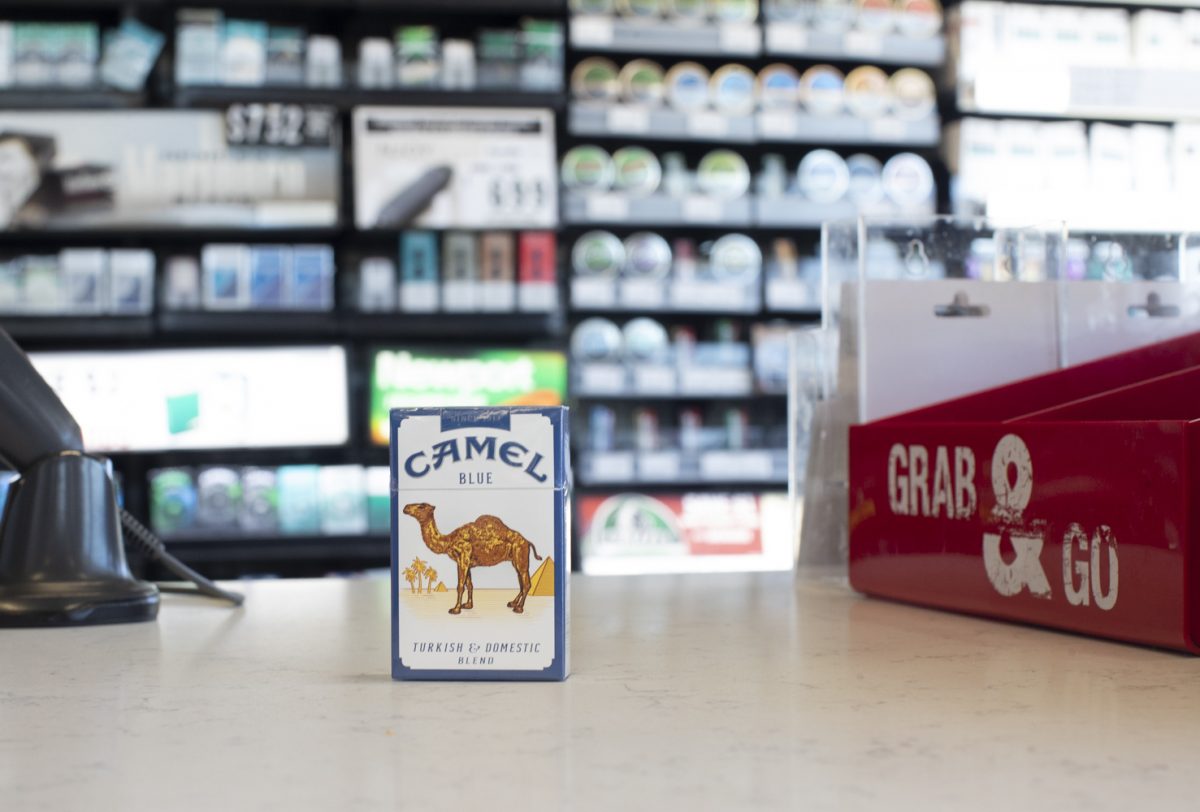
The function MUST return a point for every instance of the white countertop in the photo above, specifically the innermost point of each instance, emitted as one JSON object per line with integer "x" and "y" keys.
{"x": 688, "y": 692}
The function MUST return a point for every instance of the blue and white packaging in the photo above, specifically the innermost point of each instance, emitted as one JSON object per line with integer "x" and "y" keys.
{"x": 480, "y": 543}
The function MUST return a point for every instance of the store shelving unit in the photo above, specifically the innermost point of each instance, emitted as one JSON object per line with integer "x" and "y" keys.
{"x": 1114, "y": 86}
{"x": 695, "y": 305}
{"x": 359, "y": 333}
{"x": 690, "y": 304}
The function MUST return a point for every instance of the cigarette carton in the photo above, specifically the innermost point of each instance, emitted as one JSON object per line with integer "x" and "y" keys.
{"x": 480, "y": 547}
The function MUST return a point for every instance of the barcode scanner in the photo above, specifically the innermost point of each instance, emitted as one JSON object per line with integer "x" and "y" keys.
{"x": 62, "y": 562}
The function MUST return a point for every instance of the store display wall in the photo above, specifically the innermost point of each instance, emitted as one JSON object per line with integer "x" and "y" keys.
{"x": 637, "y": 187}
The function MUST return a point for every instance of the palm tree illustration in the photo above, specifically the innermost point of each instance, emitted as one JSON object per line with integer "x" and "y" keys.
{"x": 431, "y": 574}
{"x": 419, "y": 566}
{"x": 410, "y": 576}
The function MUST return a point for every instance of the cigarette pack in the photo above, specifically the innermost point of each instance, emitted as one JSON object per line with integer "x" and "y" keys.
{"x": 480, "y": 499}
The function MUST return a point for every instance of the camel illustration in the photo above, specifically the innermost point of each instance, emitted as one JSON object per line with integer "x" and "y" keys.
{"x": 485, "y": 542}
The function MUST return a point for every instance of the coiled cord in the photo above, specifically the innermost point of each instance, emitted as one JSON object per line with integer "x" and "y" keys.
{"x": 152, "y": 546}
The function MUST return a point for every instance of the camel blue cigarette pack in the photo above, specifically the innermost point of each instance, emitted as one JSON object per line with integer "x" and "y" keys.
{"x": 480, "y": 544}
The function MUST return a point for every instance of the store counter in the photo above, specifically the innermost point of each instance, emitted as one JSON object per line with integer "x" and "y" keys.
{"x": 688, "y": 692}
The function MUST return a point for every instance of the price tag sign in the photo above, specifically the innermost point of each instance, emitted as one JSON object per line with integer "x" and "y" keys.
{"x": 740, "y": 38}
{"x": 700, "y": 209}
{"x": 608, "y": 208}
{"x": 788, "y": 294}
{"x": 716, "y": 296}
{"x": 593, "y": 293}
{"x": 418, "y": 297}
{"x": 643, "y": 294}
{"x": 658, "y": 466}
{"x": 612, "y": 466}
{"x": 279, "y": 125}
{"x": 628, "y": 119}
{"x": 786, "y": 38}
{"x": 747, "y": 465}
{"x": 887, "y": 129}
{"x": 597, "y": 378}
{"x": 591, "y": 31}
{"x": 701, "y": 380}
{"x": 782, "y": 124}
{"x": 708, "y": 124}
{"x": 863, "y": 43}
{"x": 654, "y": 379}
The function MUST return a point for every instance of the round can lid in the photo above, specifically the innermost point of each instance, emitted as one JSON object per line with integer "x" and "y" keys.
{"x": 595, "y": 78}
{"x": 645, "y": 339}
{"x": 735, "y": 257}
{"x": 734, "y": 11}
{"x": 587, "y": 167}
{"x": 822, "y": 90}
{"x": 597, "y": 253}
{"x": 866, "y": 178}
{"x": 875, "y": 15}
{"x": 908, "y": 180}
{"x": 687, "y": 86}
{"x": 919, "y": 18}
{"x": 914, "y": 95}
{"x": 833, "y": 16}
{"x": 641, "y": 82}
{"x": 778, "y": 86}
{"x": 687, "y": 9}
{"x": 647, "y": 256}
{"x": 596, "y": 339}
{"x": 868, "y": 94}
{"x": 637, "y": 171}
{"x": 823, "y": 176}
{"x": 733, "y": 89}
{"x": 640, "y": 8}
{"x": 593, "y": 6}
{"x": 723, "y": 173}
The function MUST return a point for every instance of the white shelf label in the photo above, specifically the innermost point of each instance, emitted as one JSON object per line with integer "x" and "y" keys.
{"x": 497, "y": 296}
{"x": 628, "y": 119}
{"x": 708, "y": 123}
{"x": 418, "y": 297}
{"x": 537, "y": 297}
{"x": 740, "y": 38}
{"x": 608, "y": 208}
{"x": 887, "y": 129}
{"x": 598, "y": 293}
{"x": 788, "y": 294}
{"x": 728, "y": 381}
{"x": 863, "y": 43}
{"x": 645, "y": 294}
{"x": 459, "y": 297}
{"x": 749, "y": 465}
{"x": 722, "y": 296}
{"x": 591, "y": 30}
{"x": 612, "y": 466}
{"x": 597, "y": 378}
{"x": 700, "y": 209}
{"x": 658, "y": 466}
{"x": 654, "y": 379}
{"x": 787, "y": 38}
{"x": 778, "y": 124}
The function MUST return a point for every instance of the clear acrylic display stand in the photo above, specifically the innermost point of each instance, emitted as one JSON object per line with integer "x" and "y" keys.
{"x": 887, "y": 345}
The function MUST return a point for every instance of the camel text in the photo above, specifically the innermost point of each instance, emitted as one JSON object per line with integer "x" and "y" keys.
{"x": 465, "y": 449}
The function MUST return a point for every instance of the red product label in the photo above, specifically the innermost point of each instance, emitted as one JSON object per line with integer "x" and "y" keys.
{"x": 689, "y": 524}
{"x": 538, "y": 257}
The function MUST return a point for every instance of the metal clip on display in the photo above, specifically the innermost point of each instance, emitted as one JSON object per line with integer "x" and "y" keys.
{"x": 61, "y": 557}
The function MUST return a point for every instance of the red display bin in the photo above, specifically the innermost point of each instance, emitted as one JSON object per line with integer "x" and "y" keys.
{"x": 1068, "y": 500}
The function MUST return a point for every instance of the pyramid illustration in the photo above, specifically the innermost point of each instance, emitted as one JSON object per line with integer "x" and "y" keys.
{"x": 441, "y": 587}
{"x": 542, "y": 582}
